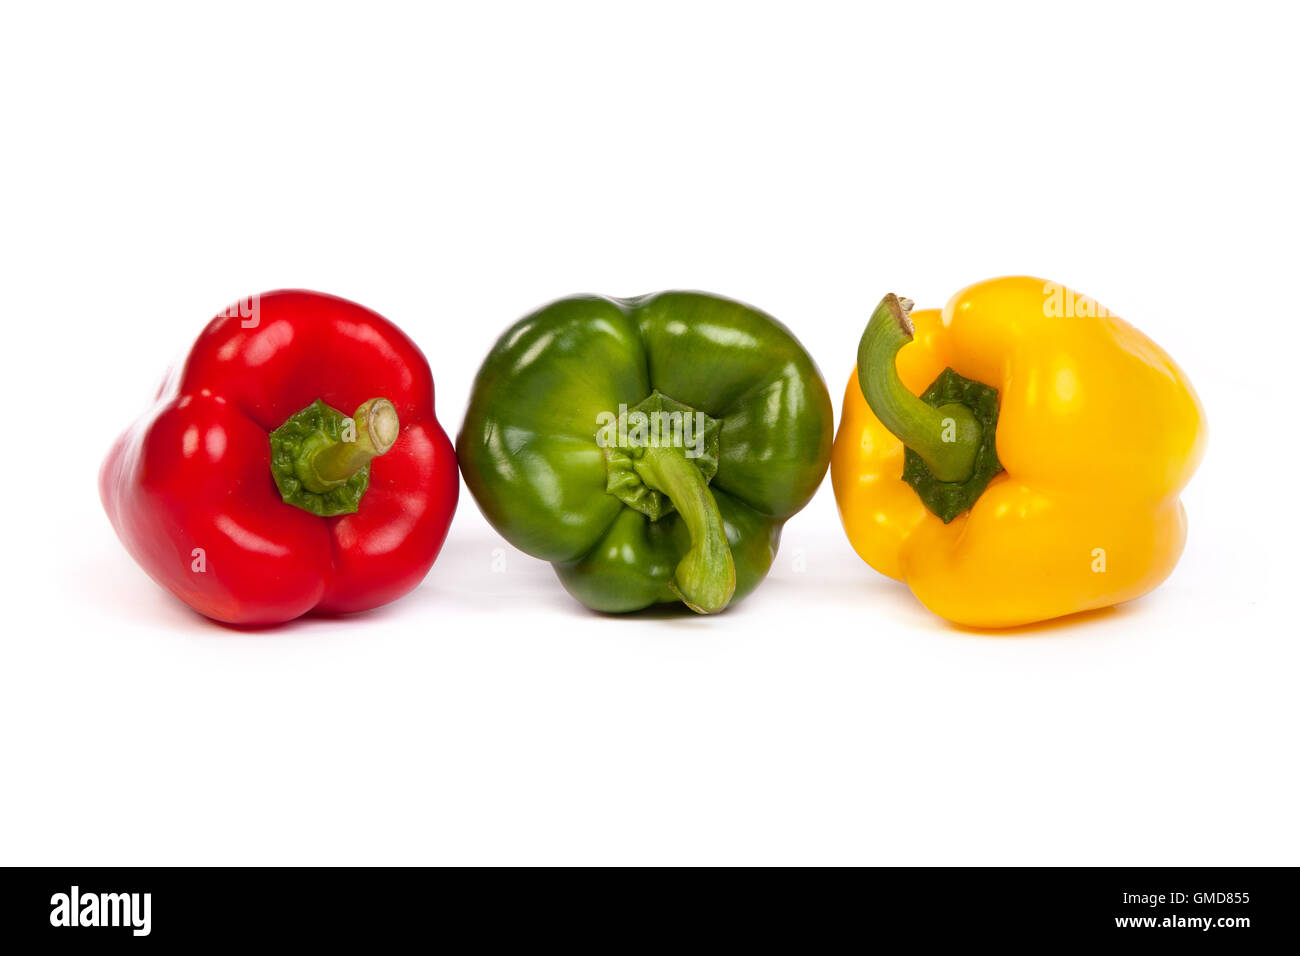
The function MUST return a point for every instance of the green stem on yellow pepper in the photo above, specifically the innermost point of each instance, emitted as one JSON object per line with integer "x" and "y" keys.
{"x": 948, "y": 437}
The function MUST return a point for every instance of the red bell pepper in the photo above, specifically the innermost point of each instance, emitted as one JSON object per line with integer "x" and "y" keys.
{"x": 248, "y": 493}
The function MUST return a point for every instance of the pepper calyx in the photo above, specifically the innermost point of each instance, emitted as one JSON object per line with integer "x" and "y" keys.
{"x": 653, "y": 422}
{"x": 660, "y": 456}
{"x": 948, "y": 499}
{"x": 320, "y": 457}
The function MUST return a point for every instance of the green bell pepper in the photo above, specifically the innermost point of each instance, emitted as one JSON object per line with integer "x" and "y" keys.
{"x": 650, "y": 448}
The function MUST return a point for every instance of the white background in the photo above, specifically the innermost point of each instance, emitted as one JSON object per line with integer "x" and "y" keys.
{"x": 455, "y": 168}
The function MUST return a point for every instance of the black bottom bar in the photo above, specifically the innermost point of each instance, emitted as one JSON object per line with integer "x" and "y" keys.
{"x": 213, "y": 906}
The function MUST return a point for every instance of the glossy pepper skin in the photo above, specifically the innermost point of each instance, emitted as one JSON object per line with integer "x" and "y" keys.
{"x": 190, "y": 490}
{"x": 530, "y": 446}
{"x": 1097, "y": 432}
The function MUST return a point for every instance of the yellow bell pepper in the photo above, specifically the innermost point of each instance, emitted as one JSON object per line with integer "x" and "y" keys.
{"x": 1042, "y": 471}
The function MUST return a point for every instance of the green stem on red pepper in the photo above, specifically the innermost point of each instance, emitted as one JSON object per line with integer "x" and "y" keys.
{"x": 320, "y": 458}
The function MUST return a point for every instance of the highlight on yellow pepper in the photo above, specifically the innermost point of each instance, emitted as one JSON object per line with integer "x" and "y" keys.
{"x": 1016, "y": 456}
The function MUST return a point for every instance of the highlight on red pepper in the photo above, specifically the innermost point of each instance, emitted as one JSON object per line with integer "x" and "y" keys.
{"x": 292, "y": 465}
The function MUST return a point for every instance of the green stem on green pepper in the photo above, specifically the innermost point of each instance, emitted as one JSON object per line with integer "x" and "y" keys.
{"x": 705, "y": 578}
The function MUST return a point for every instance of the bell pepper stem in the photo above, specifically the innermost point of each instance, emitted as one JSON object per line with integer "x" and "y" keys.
{"x": 705, "y": 578}
{"x": 328, "y": 464}
{"x": 948, "y": 437}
